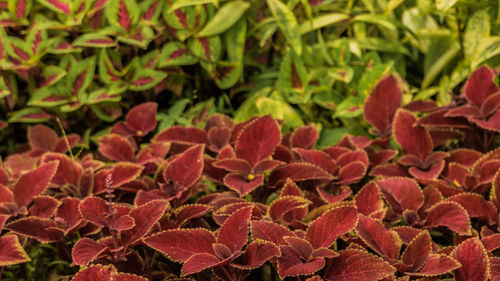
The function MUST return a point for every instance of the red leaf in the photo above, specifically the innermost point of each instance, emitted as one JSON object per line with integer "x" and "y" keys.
{"x": 11, "y": 251}
{"x": 430, "y": 174}
{"x": 199, "y": 262}
{"x": 95, "y": 272}
{"x": 43, "y": 230}
{"x": 124, "y": 16}
{"x": 59, "y": 6}
{"x": 304, "y": 137}
{"x": 68, "y": 214}
{"x": 183, "y": 135}
{"x": 319, "y": 158}
{"x": 351, "y": 172}
{"x": 376, "y": 236}
{"x": 298, "y": 172}
{"x": 495, "y": 268}
{"x": 234, "y": 165}
{"x": 256, "y": 254}
{"x": 142, "y": 118}
{"x": 356, "y": 265}
{"x": 97, "y": 211}
{"x": 42, "y": 137}
{"x": 480, "y": 85}
{"x": 258, "y": 140}
{"x": 381, "y": 105}
{"x": 291, "y": 263}
{"x": 285, "y": 204}
{"x": 127, "y": 277}
{"x": 413, "y": 138}
{"x": 450, "y": 215}
{"x": 116, "y": 147}
{"x": 402, "y": 193}
{"x": 145, "y": 217}
{"x": 234, "y": 232}
{"x": 185, "y": 170}
{"x": 86, "y": 250}
{"x": 368, "y": 199}
{"x": 242, "y": 185}
{"x": 120, "y": 174}
{"x": 187, "y": 212}
{"x": 417, "y": 251}
{"x": 44, "y": 206}
{"x": 325, "y": 230}
{"x": 68, "y": 171}
{"x": 180, "y": 244}
{"x": 269, "y": 231}
{"x": 33, "y": 183}
{"x": 474, "y": 259}
{"x": 437, "y": 264}
{"x": 476, "y": 206}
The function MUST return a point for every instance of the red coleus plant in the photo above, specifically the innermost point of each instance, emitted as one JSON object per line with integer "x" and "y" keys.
{"x": 232, "y": 201}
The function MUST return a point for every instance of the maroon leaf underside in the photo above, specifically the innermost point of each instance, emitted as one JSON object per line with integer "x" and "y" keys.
{"x": 474, "y": 259}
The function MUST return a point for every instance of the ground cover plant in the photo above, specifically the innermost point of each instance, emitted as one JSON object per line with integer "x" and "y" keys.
{"x": 417, "y": 200}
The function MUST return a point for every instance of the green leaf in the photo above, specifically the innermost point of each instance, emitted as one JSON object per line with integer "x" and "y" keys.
{"x": 60, "y": 6}
{"x": 81, "y": 75}
{"x": 52, "y": 74}
{"x": 175, "y": 53}
{"x": 279, "y": 110}
{"x": 122, "y": 13}
{"x": 322, "y": 21}
{"x": 146, "y": 78}
{"x": 94, "y": 40}
{"x": 438, "y": 62}
{"x": 226, "y": 74}
{"x": 186, "y": 3}
{"x": 371, "y": 77}
{"x": 287, "y": 23}
{"x": 234, "y": 39}
{"x": 208, "y": 49}
{"x": 102, "y": 95}
{"x": 29, "y": 115}
{"x": 349, "y": 108}
{"x": 107, "y": 71}
{"x": 379, "y": 20}
{"x": 379, "y": 44}
{"x": 225, "y": 17}
{"x": 445, "y": 5}
{"x": 329, "y": 137}
{"x": 47, "y": 97}
{"x": 478, "y": 28}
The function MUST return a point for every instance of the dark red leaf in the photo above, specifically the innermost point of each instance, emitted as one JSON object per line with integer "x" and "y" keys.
{"x": 95, "y": 272}
{"x": 44, "y": 206}
{"x": 376, "y": 236}
{"x": 116, "y": 147}
{"x": 185, "y": 170}
{"x": 298, "y": 172}
{"x": 68, "y": 171}
{"x": 258, "y": 139}
{"x": 145, "y": 217}
{"x": 11, "y": 251}
{"x": 33, "y": 183}
{"x": 234, "y": 232}
{"x": 187, "y": 212}
{"x": 325, "y": 230}
{"x": 476, "y": 206}
{"x": 437, "y": 264}
{"x": 451, "y": 215}
{"x": 241, "y": 184}
{"x": 402, "y": 193}
{"x": 256, "y": 254}
{"x": 142, "y": 118}
{"x": 356, "y": 265}
{"x": 285, "y": 204}
{"x": 480, "y": 85}
{"x": 183, "y": 135}
{"x": 474, "y": 259}
{"x": 292, "y": 263}
{"x": 319, "y": 158}
{"x": 304, "y": 137}
{"x": 269, "y": 231}
{"x": 368, "y": 199}
{"x": 180, "y": 244}
{"x": 199, "y": 262}
{"x": 42, "y": 138}
{"x": 43, "y": 230}
{"x": 418, "y": 251}
{"x": 86, "y": 250}
{"x": 413, "y": 138}
{"x": 381, "y": 105}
